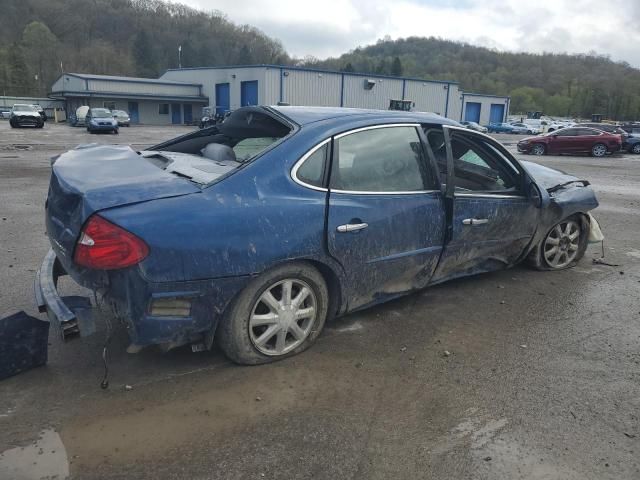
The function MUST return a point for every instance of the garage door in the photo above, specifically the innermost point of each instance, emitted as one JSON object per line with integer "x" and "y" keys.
{"x": 496, "y": 114}
{"x": 249, "y": 93}
{"x": 472, "y": 112}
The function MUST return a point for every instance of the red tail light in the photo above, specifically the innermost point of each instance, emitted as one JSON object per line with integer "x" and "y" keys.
{"x": 105, "y": 246}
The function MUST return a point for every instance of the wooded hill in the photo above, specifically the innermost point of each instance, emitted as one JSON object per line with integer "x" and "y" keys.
{"x": 117, "y": 37}
{"x": 558, "y": 84}
{"x": 39, "y": 38}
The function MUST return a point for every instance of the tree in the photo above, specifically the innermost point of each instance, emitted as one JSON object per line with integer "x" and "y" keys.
{"x": 348, "y": 68}
{"x": 244, "y": 56}
{"x": 396, "y": 67}
{"x": 40, "y": 48}
{"x": 20, "y": 82}
{"x": 144, "y": 55}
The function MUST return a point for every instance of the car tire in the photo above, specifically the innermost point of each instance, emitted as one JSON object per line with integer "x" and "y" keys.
{"x": 538, "y": 149}
{"x": 115, "y": 131}
{"x": 599, "y": 150}
{"x": 244, "y": 341}
{"x": 568, "y": 251}
{"x": 635, "y": 149}
{"x": 529, "y": 132}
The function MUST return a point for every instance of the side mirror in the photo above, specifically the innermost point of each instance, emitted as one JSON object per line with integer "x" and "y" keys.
{"x": 535, "y": 195}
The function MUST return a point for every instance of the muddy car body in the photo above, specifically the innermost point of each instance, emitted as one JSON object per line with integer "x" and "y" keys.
{"x": 23, "y": 115}
{"x": 256, "y": 230}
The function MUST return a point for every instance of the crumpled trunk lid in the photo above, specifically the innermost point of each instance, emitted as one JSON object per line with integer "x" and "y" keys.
{"x": 93, "y": 178}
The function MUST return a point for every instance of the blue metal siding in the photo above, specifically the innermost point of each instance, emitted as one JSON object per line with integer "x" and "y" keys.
{"x": 249, "y": 93}
{"x": 496, "y": 114}
{"x": 472, "y": 112}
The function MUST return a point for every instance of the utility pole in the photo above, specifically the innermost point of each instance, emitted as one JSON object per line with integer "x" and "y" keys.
{"x": 179, "y": 56}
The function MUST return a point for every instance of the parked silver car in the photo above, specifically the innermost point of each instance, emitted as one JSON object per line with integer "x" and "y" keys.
{"x": 122, "y": 118}
{"x": 475, "y": 126}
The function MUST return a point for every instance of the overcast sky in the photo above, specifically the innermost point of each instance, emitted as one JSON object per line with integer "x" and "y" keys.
{"x": 331, "y": 27}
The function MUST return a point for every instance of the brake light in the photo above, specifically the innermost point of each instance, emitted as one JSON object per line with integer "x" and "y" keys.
{"x": 105, "y": 246}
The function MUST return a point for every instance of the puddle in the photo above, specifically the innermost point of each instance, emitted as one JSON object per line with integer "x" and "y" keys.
{"x": 46, "y": 458}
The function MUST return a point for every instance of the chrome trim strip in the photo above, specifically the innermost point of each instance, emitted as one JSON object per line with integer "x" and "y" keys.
{"x": 356, "y": 192}
{"x": 299, "y": 163}
{"x": 488, "y": 195}
{"x": 375, "y": 127}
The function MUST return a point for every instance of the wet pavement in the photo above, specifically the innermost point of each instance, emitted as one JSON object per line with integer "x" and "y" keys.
{"x": 542, "y": 379}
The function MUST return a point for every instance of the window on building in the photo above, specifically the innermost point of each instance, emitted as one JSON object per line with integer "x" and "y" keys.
{"x": 110, "y": 105}
{"x": 163, "y": 109}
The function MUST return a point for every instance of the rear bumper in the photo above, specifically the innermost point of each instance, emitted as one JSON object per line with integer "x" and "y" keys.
{"x": 72, "y": 315}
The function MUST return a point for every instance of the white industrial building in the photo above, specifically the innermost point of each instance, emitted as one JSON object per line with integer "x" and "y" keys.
{"x": 178, "y": 95}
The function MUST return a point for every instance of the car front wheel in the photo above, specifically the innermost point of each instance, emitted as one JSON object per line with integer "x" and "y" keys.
{"x": 563, "y": 245}
{"x": 599, "y": 150}
{"x": 279, "y": 314}
{"x": 538, "y": 149}
{"x": 635, "y": 148}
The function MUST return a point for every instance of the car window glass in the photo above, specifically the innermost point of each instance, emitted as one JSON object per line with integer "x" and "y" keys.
{"x": 587, "y": 131}
{"x": 250, "y": 147}
{"x": 312, "y": 169}
{"x": 381, "y": 160}
{"x": 478, "y": 166}
{"x": 569, "y": 132}
{"x": 435, "y": 138}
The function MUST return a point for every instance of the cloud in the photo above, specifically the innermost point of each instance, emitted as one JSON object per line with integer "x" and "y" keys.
{"x": 333, "y": 27}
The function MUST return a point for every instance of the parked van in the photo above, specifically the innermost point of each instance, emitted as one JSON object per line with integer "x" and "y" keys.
{"x": 78, "y": 119}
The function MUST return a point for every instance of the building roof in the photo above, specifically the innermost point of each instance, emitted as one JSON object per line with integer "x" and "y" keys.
{"x": 118, "y": 78}
{"x": 318, "y": 70}
{"x": 307, "y": 115}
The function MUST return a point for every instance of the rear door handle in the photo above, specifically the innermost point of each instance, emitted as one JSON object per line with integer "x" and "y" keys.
{"x": 352, "y": 227}
{"x": 475, "y": 221}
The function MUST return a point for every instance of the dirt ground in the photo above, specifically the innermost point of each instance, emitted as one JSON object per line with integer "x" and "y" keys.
{"x": 542, "y": 380}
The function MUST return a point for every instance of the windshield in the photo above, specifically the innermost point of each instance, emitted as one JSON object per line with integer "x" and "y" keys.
{"x": 24, "y": 108}
{"x": 120, "y": 113}
{"x": 101, "y": 113}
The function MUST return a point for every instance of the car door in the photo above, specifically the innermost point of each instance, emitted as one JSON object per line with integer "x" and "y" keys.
{"x": 385, "y": 221}
{"x": 491, "y": 219}
{"x": 564, "y": 141}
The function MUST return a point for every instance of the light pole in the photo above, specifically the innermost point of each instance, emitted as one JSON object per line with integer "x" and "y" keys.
{"x": 179, "y": 56}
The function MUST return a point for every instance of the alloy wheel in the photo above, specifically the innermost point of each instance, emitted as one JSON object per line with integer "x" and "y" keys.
{"x": 283, "y": 317}
{"x": 537, "y": 149}
{"x": 599, "y": 150}
{"x": 562, "y": 244}
{"x": 636, "y": 148}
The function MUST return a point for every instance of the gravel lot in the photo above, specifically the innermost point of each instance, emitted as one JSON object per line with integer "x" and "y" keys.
{"x": 542, "y": 380}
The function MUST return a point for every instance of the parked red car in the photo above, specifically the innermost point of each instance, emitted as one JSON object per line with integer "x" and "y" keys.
{"x": 572, "y": 140}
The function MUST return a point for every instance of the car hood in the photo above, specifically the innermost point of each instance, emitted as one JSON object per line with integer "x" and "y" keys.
{"x": 549, "y": 178}
{"x": 25, "y": 113}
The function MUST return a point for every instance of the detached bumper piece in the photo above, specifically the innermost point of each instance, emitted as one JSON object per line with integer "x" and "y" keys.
{"x": 23, "y": 343}
{"x": 72, "y": 315}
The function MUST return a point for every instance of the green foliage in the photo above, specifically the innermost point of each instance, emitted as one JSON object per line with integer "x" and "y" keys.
{"x": 558, "y": 84}
{"x": 118, "y": 37}
{"x": 396, "y": 67}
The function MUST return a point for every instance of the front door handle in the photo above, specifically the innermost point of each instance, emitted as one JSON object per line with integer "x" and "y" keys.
{"x": 352, "y": 227}
{"x": 475, "y": 221}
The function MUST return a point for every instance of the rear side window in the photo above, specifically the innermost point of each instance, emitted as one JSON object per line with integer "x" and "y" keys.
{"x": 384, "y": 160}
{"x": 312, "y": 169}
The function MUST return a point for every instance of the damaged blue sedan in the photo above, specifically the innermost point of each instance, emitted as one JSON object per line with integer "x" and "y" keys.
{"x": 253, "y": 232}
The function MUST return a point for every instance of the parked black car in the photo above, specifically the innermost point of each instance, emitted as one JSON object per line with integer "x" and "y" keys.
{"x": 25, "y": 115}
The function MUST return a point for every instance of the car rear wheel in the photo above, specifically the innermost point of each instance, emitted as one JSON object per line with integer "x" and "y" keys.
{"x": 563, "y": 245}
{"x": 599, "y": 150}
{"x": 635, "y": 148}
{"x": 279, "y": 314}
{"x": 538, "y": 149}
